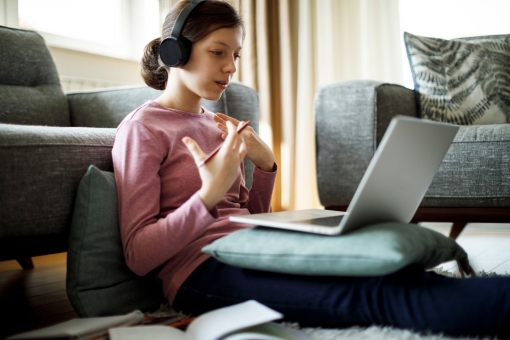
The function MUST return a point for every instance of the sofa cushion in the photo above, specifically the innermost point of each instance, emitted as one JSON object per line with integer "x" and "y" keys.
{"x": 461, "y": 81}
{"x": 30, "y": 91}
{"x": 475, "y": 171}
{"x": 41, "y": 169}
{"x": 374, "y": 250}
{"x": 98, "y": 280}
{"x": 107, "y": 107}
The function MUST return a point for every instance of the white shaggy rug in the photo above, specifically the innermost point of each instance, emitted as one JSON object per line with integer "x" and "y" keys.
{"x": 370, "y": 333}
{"x": 363, "y": 333}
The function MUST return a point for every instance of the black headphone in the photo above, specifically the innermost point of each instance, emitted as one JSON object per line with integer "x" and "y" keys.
{"x": 176, "y": 49}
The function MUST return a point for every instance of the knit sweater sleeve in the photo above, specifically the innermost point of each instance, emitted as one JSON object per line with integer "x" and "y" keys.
{"x": 258, "y": 198}
{"x": 149, "y": 239}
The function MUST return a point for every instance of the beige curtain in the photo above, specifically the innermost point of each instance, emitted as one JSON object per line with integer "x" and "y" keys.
{"x": 295, "y": 46}
{"x": 292, "y": 47}
{"x": 164, "y": 8}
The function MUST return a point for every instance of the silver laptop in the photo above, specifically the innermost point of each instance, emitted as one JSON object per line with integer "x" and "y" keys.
{"x": 392, "y": 188}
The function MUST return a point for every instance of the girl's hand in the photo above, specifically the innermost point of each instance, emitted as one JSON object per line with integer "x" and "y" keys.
{"x": 220, "y": 172}
{"x": 256, "y": 150}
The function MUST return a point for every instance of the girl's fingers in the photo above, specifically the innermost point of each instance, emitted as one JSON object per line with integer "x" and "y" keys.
{"x": 233, "y": 141}
{"x": 220, "y": 123}
{"x": 222, "y": 127}
{"x": 242, "y": 149}
{"x": 238, "y": 141}
{"x": 194, "y": 149}
{"x": 231, "y": 135}
{"x": 224, "y": 117}
{"x": 219, "y": 120}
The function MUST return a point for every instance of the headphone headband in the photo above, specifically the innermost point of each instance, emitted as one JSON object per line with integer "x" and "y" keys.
{"x": 175, "y": 50}
{"x": 183, "y": 17}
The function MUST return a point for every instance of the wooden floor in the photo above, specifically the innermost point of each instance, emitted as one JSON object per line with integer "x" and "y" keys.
{"x": 34, "y": 298}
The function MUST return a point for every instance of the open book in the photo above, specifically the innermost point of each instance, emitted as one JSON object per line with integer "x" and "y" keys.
{"x": 247, "y": 320}
{"x": 84, "y": 328}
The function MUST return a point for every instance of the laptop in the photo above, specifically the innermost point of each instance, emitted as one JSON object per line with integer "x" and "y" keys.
{"x": 391, "y": 189}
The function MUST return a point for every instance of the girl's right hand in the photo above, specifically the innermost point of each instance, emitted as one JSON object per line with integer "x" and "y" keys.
{"x": 220, "y": 172}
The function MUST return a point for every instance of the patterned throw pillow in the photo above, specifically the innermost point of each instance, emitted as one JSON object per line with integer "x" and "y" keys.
{"x": 463, "y": 81}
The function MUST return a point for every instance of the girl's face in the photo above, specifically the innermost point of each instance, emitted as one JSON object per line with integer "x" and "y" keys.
{"x": 212, "y": 63}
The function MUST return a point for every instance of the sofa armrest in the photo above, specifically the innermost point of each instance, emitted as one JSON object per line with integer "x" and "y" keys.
{"x": 107, "y": 107}
{"x": 40, "y": 173}
{"x": 350, "y": 120}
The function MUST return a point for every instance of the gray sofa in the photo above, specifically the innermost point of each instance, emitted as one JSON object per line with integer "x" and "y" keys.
{"x": 472, "y": 184}
{"x": 48, "y": 140}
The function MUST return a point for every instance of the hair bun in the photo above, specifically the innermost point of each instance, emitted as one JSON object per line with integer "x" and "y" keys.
{"x": 152, "y": 72}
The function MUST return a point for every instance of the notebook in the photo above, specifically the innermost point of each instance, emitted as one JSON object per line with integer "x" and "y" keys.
{"x": 84, "y": 328}
{"x": 391, "y": 189}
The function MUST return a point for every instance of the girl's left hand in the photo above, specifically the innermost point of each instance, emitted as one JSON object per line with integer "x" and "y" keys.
{"x": 256, "y": 150}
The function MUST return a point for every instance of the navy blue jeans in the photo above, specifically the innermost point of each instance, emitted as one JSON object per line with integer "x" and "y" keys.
{"x": 410, "y": 298}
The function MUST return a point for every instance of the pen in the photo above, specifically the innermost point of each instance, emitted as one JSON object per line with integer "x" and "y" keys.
{"x": 240, "y": 128}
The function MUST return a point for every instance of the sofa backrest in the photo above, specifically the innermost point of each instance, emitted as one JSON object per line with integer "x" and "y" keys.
{"x": 30, "y": 91}
{"x": 105, "y": 108}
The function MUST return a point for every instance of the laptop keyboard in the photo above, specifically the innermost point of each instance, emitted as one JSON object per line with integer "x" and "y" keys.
{"x": 332, "y": 221}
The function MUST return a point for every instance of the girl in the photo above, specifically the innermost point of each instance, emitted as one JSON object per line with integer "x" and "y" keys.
{"x": 170, "y": 207}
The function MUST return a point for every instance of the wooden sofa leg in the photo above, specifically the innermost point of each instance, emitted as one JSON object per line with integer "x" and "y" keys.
{"x": 26, "y": 263}
{"x": 457, "y": 229}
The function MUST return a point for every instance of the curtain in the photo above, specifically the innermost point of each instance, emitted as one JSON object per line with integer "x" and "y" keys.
{"x": 291, "y": 48}
{"x": 164, "y": 8}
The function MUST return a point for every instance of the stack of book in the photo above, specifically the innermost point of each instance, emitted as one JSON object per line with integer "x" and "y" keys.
{"x": 249, "y": 320}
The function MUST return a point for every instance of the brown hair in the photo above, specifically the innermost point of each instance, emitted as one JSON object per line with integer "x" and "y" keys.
{"x": 210, "y": 16}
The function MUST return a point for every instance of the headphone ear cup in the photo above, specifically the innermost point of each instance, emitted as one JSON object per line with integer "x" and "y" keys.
{"x": 185, "y": 50}
{"x": 171, "y": 52}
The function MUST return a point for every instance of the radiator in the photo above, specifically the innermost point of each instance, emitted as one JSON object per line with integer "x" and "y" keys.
{"x": 77, "y": 84}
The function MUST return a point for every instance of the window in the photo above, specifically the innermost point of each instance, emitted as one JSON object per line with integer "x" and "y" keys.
{"x": 449, "y": 19}
{"x": 116, "y": 28}
{"x": 97, "y": 21}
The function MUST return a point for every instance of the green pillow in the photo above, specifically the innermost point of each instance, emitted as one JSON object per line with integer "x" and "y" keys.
{"x": 374, "y": 250}
{"x": 98, "y": 280}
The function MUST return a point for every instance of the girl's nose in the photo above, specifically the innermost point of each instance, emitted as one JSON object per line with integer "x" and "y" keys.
{"x": 231, "y": 67}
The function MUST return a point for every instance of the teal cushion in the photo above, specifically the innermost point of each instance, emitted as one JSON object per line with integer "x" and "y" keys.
{"x": 98, "y": 280}
{"x": 374, "y": 250}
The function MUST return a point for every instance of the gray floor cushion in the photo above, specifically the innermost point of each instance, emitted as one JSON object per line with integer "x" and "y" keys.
{"x": 98, "y": 279}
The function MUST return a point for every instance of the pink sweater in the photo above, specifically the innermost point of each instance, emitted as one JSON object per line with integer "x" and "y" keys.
{"x": 163, "y": 222}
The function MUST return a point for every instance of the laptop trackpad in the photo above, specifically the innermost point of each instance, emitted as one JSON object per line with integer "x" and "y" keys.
{"x": 331, "y": 221}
